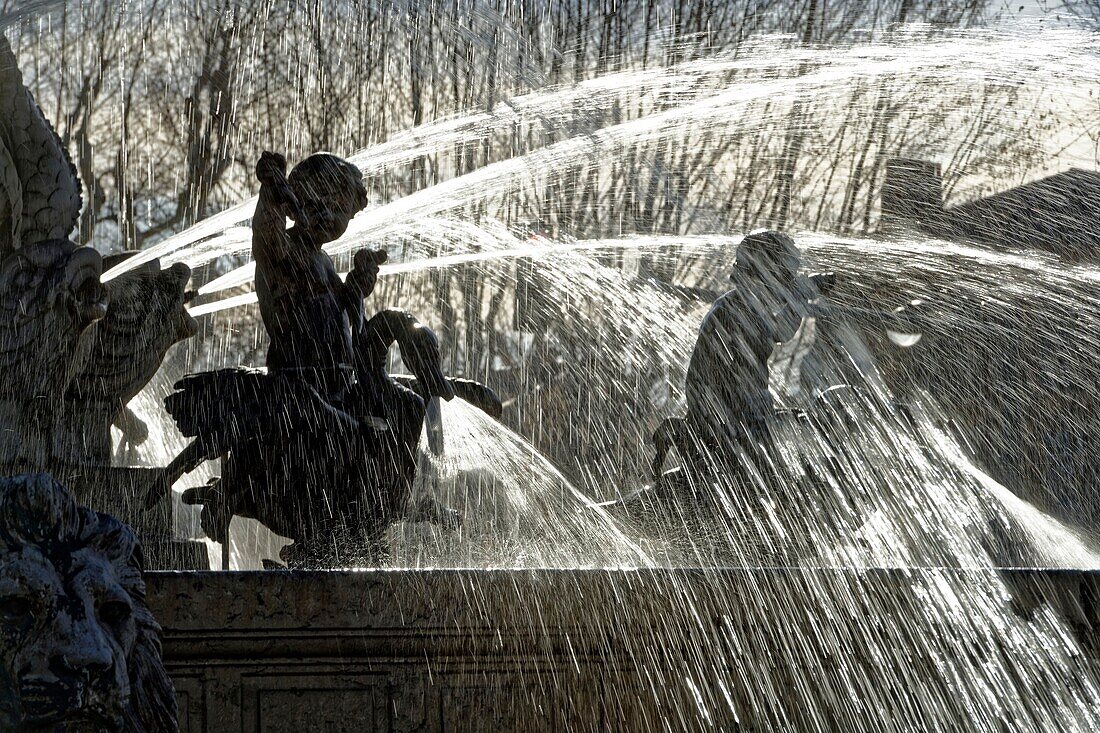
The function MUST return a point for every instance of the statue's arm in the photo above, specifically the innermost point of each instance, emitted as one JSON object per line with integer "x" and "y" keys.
{"x": 270, "y": 241}
{"x": 360, "y": 283}
{"x": 804, "y": 300}
{"x": 787, "y": 322}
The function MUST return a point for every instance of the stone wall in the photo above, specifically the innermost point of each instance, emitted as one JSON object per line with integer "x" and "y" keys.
{"x": 526, "y": 651}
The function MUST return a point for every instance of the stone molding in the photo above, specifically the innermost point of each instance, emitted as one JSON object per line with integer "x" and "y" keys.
{"x": 495, "y": 650}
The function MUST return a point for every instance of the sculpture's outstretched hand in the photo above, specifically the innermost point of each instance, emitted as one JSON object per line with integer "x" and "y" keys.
{"x": 271, "y": 172}
{"x": 823, "y": 282}
{"x": 364, "y": 271}
{"x": 904, "y": 325}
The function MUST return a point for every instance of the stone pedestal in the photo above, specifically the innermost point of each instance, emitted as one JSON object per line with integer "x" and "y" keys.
{"x": 556, "y": 650}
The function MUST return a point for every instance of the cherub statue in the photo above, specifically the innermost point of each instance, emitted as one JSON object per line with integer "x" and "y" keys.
{"x": 325, "y": 437}
{"x": 730, "y": 407}
{"x": 307, "y": 309}
{"x": 729, "y": 404}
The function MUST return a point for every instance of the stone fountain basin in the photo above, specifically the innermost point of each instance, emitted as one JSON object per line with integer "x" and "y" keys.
{"x": 527, "y": 650}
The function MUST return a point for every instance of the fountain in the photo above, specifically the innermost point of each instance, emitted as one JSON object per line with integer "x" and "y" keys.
{"x": 76, "y": 352}
{"x": 900, "y": 538}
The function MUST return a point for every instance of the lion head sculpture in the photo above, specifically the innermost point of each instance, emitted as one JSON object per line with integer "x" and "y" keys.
{"x": 80, "y": 649}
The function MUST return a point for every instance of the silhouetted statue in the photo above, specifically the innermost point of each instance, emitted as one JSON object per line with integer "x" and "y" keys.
{"x": 729, "y": 404}
{"x": 146, "y": 316}
{"x": 730, "y": 408}
{"x": 79, "y": 649}
{"x": 307, "y": 309}
{"x": 325, "y": 439}
{"x": 73, "y": 351}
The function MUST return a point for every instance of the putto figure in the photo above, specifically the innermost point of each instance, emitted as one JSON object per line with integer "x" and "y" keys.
{"x": 308, "y": 311}
{"x": 324, "y": 440}
{"x": 729, "y": 403}
{"x": 80, "y": 649}
{"x": 731, "y": 412}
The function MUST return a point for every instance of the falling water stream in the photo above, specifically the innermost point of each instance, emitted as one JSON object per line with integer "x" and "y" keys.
{"x": 927, "y": 476}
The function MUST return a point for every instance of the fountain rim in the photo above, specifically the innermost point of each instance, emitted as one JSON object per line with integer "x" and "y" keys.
{"x": 456, "y": 611}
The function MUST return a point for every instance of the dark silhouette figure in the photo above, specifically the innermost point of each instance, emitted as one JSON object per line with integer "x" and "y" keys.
{"x": 729, "y": 404}
{"x": 325, "y": 440}
{"x": 307, "y": 310}
{"x": 730, "y": 409}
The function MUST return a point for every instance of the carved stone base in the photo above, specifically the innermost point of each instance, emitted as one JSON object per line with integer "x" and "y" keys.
{"x": 590, "y": 650}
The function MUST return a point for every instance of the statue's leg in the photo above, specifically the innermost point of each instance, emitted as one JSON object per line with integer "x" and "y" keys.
{"x": 186, "y": 462}
{"x": 215, "y": 516}
{"x": 701, "y": 446}
{"x": 223, "y": 497}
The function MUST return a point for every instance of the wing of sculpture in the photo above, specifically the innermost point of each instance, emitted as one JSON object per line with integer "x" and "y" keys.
{"x": 81, "y": 359}
{"x": 39, "y": 187}
{"x": 50, "y": 291}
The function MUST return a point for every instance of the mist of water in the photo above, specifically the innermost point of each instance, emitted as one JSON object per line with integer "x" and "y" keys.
{"x": 905, "y": 482}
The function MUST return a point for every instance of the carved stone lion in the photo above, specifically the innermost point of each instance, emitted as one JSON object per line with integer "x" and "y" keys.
{"x": 80, "y": 649}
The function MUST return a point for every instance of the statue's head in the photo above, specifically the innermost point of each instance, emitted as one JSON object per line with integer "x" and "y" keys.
{"x": 767, "y": 256}
{"x": 79, "y": 649}
{"x": 331, "y": 192}
{"x": 421, "y": 353}
{"x": 147, "y": 315}
{"x": 50, "y": 294}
